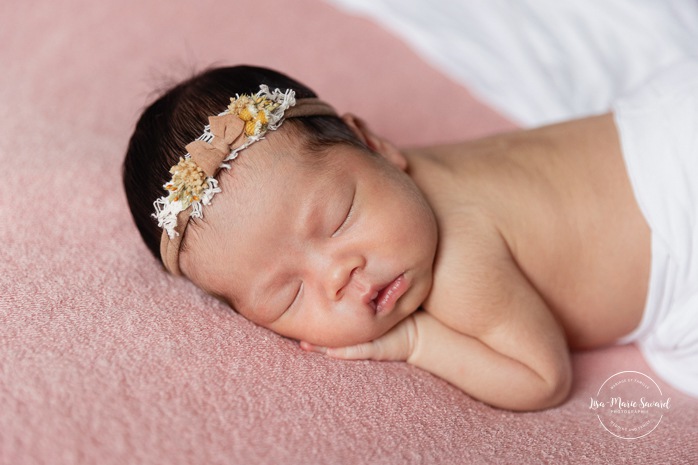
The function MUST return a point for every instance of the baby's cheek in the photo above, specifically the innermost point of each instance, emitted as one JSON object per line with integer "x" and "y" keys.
{"x": 344, "y": 335}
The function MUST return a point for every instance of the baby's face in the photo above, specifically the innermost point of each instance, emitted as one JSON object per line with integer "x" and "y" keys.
{"x": 334, "y": 252}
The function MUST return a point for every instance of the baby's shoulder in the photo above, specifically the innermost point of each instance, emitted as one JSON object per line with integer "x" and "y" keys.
{"x": 471, "y": 271}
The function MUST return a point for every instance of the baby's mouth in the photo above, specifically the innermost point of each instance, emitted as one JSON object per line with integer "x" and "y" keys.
{"x": 373, "y": 303}
{"x": 384, "y": 299}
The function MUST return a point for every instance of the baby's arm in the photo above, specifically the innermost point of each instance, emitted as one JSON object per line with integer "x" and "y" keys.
{"x": 466, "y": 362}
{"x": 498, "y": 341}
{"x": 486, "y": 370}
{"x": 504, "y": 348}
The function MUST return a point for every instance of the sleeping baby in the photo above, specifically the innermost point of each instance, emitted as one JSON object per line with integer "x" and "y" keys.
{"x": 483, "y": 262}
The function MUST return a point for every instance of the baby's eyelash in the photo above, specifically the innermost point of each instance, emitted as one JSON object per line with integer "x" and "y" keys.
{"x": 346, "y": 218}
{"x": 295, "y": 298}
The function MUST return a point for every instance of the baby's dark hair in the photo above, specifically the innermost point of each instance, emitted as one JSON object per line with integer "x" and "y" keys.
{"x": 178, "y": 117}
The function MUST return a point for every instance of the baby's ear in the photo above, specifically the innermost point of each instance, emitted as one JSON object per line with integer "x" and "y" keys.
{"x": 375, "y": 142}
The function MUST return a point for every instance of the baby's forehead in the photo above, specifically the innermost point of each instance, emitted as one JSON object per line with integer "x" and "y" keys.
{"x": 279, "y": 169}
{"x": 268, "y": 179}
{"x": 284, "y": 159}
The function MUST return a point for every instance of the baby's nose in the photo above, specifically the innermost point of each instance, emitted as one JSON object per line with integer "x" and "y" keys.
{"x": 341, "y": 275}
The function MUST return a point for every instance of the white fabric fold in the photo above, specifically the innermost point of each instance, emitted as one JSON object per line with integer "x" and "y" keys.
{"x": 541, "y": 61}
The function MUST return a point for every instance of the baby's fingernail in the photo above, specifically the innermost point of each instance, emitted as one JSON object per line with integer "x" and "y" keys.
{"x": 329, "y": 352}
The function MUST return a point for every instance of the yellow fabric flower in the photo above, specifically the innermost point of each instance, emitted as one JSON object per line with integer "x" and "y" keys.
{"x": 254, "y": 111}
{"x": 188, "y": 182}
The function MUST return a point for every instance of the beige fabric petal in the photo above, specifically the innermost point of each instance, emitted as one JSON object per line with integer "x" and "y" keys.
{"x": 228, "y": 132}
{"x": 228, "y": 129}
{"x": 206, "y": 156}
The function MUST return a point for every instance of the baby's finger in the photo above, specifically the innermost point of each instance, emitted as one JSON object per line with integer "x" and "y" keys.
{"x": 358, "y": 352}
{"x": 313, "y": 348}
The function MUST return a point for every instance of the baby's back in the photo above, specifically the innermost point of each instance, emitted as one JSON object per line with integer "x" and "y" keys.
{"x": 561, "y": 199}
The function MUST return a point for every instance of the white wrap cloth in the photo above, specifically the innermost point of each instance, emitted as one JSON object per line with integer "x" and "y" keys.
{"x": 658, "y": 127}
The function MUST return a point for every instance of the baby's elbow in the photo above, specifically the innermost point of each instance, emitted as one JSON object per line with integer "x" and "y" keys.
{"x": 559, "y": 391}
{"x": 556, "y": 388}
{"x": 546, "y": 392}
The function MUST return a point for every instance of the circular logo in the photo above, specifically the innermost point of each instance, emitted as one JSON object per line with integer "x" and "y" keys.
{"x": 630, "y": 405}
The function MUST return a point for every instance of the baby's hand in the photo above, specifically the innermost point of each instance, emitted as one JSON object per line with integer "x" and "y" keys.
{"x": 395, "y": 345}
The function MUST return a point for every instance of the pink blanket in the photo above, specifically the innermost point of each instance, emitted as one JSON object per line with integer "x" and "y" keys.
{"x": 105, "y": 359}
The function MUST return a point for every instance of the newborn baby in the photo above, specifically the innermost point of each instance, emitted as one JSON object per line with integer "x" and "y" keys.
{"x": 483, "y": 262}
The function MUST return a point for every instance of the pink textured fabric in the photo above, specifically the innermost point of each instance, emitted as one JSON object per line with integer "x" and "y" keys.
{"x": 106, "y": 359}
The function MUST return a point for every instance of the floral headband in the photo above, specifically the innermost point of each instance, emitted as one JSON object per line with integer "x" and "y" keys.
{"x": 193, "y": 185}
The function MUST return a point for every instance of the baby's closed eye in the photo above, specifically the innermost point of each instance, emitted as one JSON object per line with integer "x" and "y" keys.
{"x": 296, "y": 296}
{"x": 349, "y": 213}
